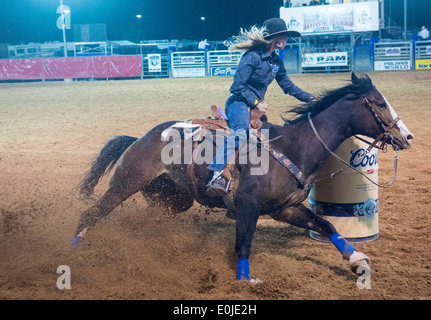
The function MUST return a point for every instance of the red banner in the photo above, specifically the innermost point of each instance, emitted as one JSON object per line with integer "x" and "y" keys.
{"x": 30, "y": 69}
{"x": 79, "y": 67}
{"x": 117, "y": 66}
{"x": 62, "y": 68}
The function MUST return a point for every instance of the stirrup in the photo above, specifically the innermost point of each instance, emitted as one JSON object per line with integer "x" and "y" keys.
{"x": 219, "y": 191}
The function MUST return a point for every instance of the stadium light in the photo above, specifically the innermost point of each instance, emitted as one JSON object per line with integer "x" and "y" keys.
{"x": 202, "y": 18}
{"x": 139, "y": 16}
{"x": 63, "y": 27}
{"x": 405, "y": 20}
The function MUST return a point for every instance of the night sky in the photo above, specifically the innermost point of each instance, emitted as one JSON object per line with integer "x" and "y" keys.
{"x": 24, "y": 21}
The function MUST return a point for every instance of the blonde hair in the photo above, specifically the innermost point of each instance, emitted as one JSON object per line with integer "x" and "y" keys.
{"x": 248, "y": 39}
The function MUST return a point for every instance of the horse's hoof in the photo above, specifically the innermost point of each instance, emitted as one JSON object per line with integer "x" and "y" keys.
{"x": 75, "y": 241}
{"x": 358, "y": 259}
{"x": 78, "y": 238}
{"x": 256, "y": 281}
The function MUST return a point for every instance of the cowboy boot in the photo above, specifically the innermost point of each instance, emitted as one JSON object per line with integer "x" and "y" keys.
{"x": 217, "y": 186}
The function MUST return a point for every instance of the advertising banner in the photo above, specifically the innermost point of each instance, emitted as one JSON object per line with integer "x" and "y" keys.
{"x": 357, "y": 17}
{"x": 117, "y": 66}
{"x": 423, "y": 64}
{"x": 62, "y": 68}
{"x": 188, "y": 72}
{"x": 11, "y": 69}
{"x": 73, "y": 67}
{"x": 154, "y": 63}
{"x": 392, "y": 51}
{"x": 189, "y": 60}
{"x": 391, "y": 65}
{"x": 223, "y": 71}
{"x": 324, "y": 59}
{"x": 224, "y": 59}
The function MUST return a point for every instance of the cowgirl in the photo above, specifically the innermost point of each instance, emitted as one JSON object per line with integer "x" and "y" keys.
{"x": 257, "y": 68}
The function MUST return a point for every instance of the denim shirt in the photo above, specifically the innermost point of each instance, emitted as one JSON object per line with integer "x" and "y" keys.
{"x": 256, "y": 70}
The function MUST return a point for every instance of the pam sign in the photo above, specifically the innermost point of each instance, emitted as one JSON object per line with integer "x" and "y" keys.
{"x": 324, "y": 59}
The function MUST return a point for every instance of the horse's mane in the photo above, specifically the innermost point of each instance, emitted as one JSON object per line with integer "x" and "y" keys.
{"x": 359, "y": 86}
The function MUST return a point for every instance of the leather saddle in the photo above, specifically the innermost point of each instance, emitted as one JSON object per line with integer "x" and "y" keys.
{"x": 219, "y": 122}
{"x": 231, "y": 172}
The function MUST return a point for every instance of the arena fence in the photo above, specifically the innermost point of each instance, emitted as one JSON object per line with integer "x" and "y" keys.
{"x": 393, "y": 56}
{"x": 222, "y": 62}
{"x": 363, "y": 56}
{"x": 166, "y": 61}
{"x": 155, "y": 65}
{"x": 71, "y": 68}
{"x": 188, "y": 64}
{"x": 327, "y": 52}
{"x": 423, "y": 55}
{"x": 292, "y": 60}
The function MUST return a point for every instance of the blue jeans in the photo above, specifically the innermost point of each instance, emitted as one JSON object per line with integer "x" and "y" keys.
{"x": 239, "y": 120}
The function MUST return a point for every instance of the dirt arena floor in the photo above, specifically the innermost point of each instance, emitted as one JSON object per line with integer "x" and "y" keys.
{"x": 50, "y": 133}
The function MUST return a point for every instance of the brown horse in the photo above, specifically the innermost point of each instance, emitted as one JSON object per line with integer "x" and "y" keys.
{"x": 306, "y": 141}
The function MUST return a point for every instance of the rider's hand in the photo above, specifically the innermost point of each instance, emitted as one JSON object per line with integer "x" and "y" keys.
{"x": 262, "y": 106}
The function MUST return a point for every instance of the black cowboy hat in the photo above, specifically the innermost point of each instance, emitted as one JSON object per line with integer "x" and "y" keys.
{"x": 277, "y": 27}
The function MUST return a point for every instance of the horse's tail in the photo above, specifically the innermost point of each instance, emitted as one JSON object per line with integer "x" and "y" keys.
{"x": 106, "y": 160}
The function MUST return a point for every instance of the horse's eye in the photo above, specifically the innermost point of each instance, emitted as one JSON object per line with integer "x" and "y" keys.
{"x": 382, "y": 105}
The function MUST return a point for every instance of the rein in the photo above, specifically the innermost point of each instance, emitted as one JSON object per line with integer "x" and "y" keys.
{"x": 382, "y": 137}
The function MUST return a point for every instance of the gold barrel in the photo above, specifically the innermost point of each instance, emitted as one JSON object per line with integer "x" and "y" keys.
{"x": 349, "y": 201}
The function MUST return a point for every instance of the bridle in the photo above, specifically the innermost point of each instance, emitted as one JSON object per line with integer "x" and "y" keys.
{"x": 383, "y": 138}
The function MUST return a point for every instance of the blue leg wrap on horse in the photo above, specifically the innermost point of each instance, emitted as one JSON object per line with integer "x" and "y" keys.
{"x": 342, "y": 245}
{"x": 243, "y": 270}
{"x": 75, "y": 241}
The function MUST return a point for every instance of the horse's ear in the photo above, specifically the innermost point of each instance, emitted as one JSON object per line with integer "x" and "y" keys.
{"x": 354, "y": 78}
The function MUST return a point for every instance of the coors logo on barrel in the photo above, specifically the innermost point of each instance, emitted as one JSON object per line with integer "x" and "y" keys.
{"x": 361, "y": 158}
